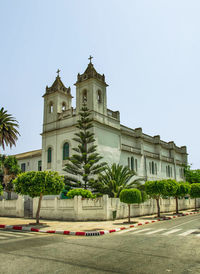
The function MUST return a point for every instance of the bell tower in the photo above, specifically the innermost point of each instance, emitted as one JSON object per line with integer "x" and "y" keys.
{"x": 57, "y": 99}
{"x": 91, "y": 88}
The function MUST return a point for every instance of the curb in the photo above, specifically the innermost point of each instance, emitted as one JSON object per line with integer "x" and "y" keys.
{"x": 92, "y": 233}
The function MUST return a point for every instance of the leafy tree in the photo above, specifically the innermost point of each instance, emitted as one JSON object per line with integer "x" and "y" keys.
{"x": 195, "y": 192}
{"x": 8, "y": 129}
{"x": 9, "y": 169}
{"x": 192, "y": 176}
{"x": 170, "y": 187}
{"x": 37, "y": 184}
{"x": 139, "y": 185}
{"x": 113, "y": 180}
{"x": 182, "y": 190}
{"x": 156, "y": 189}
{"x": 144, "y": 195}
{"x": 85, "y": 193}
{"x": 84, "y": 165}
{"x": 130, "y": 196}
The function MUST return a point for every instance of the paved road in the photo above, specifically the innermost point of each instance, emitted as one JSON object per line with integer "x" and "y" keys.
{"x": 165, "y": 247}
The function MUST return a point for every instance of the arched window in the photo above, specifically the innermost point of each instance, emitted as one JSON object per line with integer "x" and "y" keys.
{"x": 99, "y": 99}
{"x": 132, "y": 163}
{"x": 150, "y": 168}
{"x": 169, "y": 171}
{"x": 49, "y": 155}
{"x": 135, "y": 164}
{"x": 84, "y": 96}
{"x": 65, "y": 151}
{"x": 156, "y": 169}
{"x": 129, "y": 162}
{"x": 63, "y": 106}
{"x": 50, "y": 107}
{"x": 153, "y": 171}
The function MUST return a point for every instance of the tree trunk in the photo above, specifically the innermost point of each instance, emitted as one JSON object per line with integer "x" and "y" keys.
{"x": 129, "y": 210}
{"x": 38, "y": 209}
{"x": 9, "y": 195}
{"x": 176, "y": 205}
{"x": 195, "y": 203}
{"x": 158, "y": 206}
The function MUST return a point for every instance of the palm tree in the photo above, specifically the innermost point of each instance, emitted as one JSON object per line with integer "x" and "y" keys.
{"x": 114, "y": 180}
{"x": 8, "y": 129}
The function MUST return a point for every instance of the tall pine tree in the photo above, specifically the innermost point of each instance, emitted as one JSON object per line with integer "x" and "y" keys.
{"x": 84, "y": 165}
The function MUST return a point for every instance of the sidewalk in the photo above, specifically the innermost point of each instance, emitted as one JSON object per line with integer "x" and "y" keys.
{"x": 86, "y": 226}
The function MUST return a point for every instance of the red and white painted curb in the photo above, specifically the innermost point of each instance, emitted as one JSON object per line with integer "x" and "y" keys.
{"x": 91, "y": 233}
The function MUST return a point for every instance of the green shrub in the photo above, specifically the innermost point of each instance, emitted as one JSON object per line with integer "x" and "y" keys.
{"x": 130, "y": 196}
{"x": 63, "y": 194}
{"x": 80, "y": 192}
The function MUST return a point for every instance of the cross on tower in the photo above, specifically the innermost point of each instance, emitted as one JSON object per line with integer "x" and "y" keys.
{"x": 58, "y": 71}
{"x": 90, "y": 58}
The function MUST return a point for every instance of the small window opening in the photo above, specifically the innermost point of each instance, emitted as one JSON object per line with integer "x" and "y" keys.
{"x": 63, "y": 106}
{"x": 51, "y": 107}
{"x": 84, "y": 96}
{"x": 99, "y": 99}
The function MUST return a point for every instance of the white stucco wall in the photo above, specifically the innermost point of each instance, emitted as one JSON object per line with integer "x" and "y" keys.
{"x": 31, "y": 163}
{"x": 102, "y": 208}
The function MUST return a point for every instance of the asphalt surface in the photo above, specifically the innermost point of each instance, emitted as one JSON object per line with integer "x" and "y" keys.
{"x": 164, "y": 247}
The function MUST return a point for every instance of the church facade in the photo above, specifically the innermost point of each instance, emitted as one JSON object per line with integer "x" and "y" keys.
{"x": 149, "y": 156}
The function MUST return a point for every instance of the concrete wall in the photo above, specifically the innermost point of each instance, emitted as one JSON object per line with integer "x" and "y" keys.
{"x": 101, "y": 208}
{"x": 79, "y": 209}
{"x": 13, "y": 208}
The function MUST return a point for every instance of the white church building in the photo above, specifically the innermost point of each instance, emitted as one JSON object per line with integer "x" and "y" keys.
{"x": 149, "y": 156}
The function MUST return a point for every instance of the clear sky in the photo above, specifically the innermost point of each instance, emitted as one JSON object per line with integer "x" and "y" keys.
{"x": 149, "y": 51}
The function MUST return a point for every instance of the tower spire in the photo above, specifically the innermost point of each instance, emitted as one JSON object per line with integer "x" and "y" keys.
{"x": 58, "y": 71}
{"x": 90, "y": 58}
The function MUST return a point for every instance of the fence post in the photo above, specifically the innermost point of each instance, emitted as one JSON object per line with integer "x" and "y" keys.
{"x": 77, "y": 207}
{"x": 106, "y": 207}
{"x": 20, "y": 206}
{"x": 55, "y": 206}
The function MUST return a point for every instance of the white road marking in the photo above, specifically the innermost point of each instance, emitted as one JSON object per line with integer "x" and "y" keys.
{"x": 25, "y": 233}
{"x": 141, "y": 230}
{"x": 125, "y": 230}
{"x": 184, "y": 223}
{"x": 155, "y": 231}
{"x": 172, "y": 231}
{"x": 2, "y": 237}
{"x": 188, "y": 232}
{"x": 9, "y": 234}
